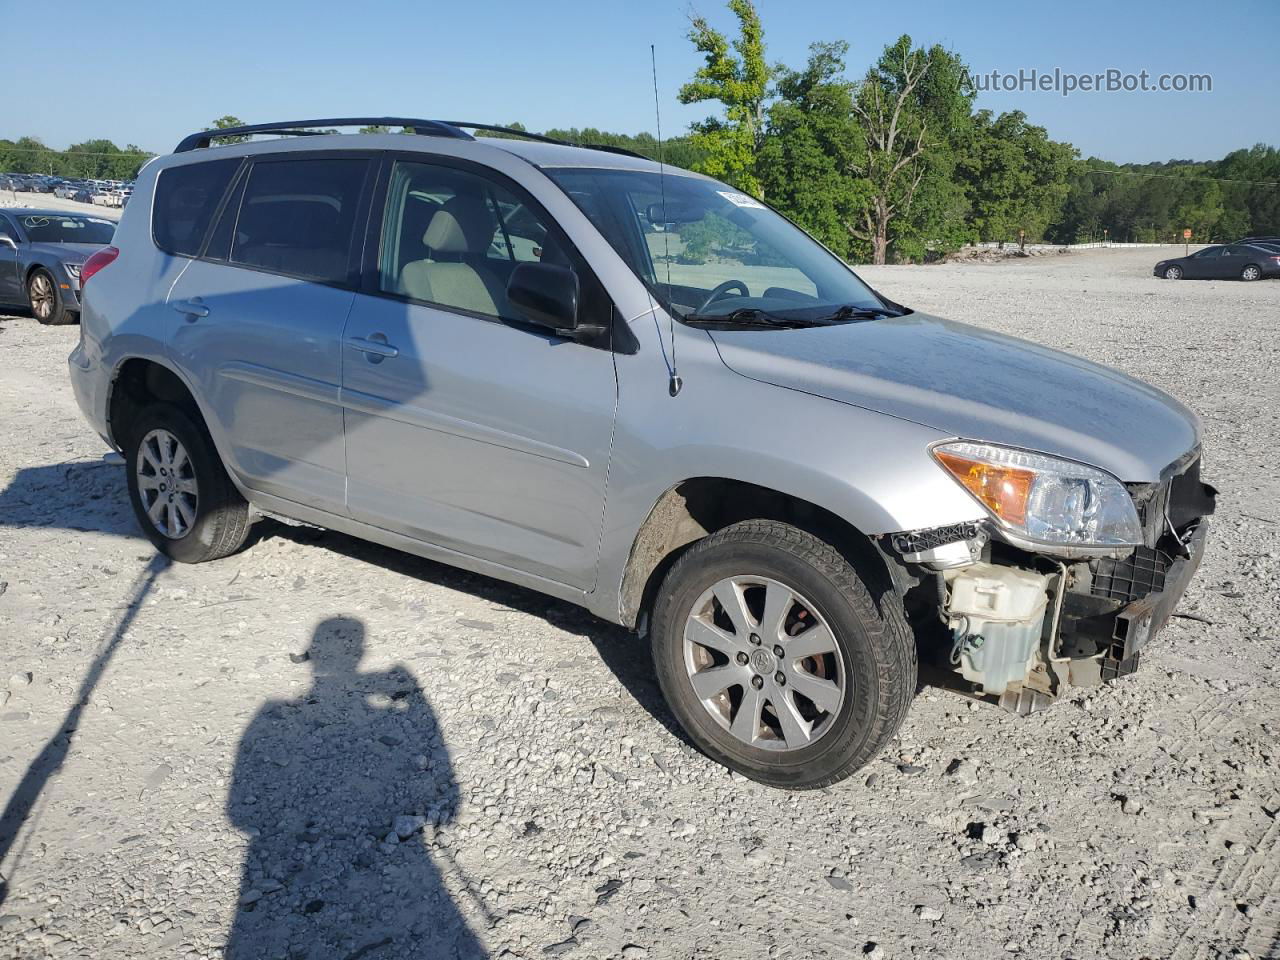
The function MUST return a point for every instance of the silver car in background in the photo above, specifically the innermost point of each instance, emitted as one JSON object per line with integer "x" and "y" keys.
{"x": 642, "y": 391}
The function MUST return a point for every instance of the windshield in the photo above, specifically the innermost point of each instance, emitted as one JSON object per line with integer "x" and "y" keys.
{"x": 706, "y": 250}
{"x": 56, "y": 228}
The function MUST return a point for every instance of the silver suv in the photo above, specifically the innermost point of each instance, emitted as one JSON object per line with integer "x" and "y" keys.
{"x": 641, "y": 391}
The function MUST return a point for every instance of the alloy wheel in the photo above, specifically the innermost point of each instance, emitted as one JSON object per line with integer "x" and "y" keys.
{"x": 167, "y": 484}
{"x": 764, "y": 663}
{"x": 42, "y": 296}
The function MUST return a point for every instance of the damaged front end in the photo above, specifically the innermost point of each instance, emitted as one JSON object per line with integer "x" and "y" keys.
{"x": 1020, "y": 623}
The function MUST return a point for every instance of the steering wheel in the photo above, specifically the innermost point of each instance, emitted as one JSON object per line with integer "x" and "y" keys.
{"x": 721, "y": 290}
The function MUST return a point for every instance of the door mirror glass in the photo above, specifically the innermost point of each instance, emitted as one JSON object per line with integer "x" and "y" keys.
{"x": 545, "y": 294}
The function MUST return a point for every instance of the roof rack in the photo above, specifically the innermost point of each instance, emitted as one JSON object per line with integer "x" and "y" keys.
{"x": 454, "y": 129}
{"x": 431, "y": 128}
{"x": 516, "y": 132}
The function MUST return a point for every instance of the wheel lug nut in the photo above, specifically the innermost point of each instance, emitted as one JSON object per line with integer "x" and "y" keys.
{"x": 780, "y": 679}
{"x": 742, "y": 658}
{"x": 779, "y": 652}
{"x": 757, "y": 681}
{"x": 755, "y": 639}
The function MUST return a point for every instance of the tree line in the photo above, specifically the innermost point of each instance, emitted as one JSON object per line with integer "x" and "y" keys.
{"x": 895, "y": 164}
{"x": 91, "y": 160}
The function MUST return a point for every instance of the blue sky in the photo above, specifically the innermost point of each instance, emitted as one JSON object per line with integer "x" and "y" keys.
{"x": 153, "y": 71}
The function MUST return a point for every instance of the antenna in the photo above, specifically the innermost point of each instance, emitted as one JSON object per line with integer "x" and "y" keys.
{"x": 676, "y": 383}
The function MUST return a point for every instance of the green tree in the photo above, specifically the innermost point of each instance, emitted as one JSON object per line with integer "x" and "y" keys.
{"x": 1017, "y": 177}
{"x": 226, "y": 122}
{"x": 810, "y": 135}
{"x": 910, "y": 102}
{"x": 737, "y": 77}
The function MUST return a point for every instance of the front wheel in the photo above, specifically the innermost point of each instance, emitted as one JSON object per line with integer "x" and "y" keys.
{"x": 45, "y": 300}
{"x": 181, "y": 494}
{"x": 776, "y": 657}
{"x": 1173, "y": 273}
{"x": 1251, "y": 272}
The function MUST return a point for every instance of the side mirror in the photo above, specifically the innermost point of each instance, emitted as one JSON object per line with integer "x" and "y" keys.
{"x": 545, "y": 294}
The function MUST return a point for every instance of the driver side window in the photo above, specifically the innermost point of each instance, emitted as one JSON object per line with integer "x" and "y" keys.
{"x": 452, "y": 238}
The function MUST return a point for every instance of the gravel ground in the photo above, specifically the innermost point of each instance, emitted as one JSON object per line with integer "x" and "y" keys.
{"x": 324, "y": 749}
{"x": 47, "y": 201}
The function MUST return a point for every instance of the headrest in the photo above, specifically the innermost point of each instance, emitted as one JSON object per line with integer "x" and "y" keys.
{"x": 464, "y": 224}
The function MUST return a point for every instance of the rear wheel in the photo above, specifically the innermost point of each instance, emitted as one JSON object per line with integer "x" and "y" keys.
{"x": 45, "y": 300}
{"x": 1173, "y": 273}
{"x": 181, "y": 494}
{"x": 777, "y": 660}
{"x": 1251, "y": 272}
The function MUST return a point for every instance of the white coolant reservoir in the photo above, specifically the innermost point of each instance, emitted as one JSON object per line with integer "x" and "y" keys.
{"x": 996, "y": 616}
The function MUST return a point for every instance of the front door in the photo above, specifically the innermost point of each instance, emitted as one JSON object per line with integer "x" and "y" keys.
{"x": 257, "y": 322}
{"x": 467, "y": 428}
{"x": 10, "y": 282}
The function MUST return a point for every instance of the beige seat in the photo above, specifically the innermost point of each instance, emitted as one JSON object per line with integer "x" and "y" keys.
{"x": 454, "y": 272}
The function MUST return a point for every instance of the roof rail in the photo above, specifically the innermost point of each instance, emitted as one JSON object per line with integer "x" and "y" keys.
{"x": 515, "y": 132}
{"x": 431, "y": 128}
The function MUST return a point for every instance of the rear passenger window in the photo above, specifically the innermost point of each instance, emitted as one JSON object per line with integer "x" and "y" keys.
{"x": 186, "y": 199}
{"x": 297, "y": 217}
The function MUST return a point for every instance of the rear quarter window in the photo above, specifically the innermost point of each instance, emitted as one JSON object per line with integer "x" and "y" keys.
{"x": 186, "y": 199}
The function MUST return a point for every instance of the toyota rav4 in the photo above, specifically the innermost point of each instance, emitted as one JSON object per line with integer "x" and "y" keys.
{"x": 642, "y": 391}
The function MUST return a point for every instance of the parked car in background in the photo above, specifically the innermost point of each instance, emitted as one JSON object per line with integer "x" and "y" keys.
{"x": 1269, "y": 239}
{"x": 67, "y": 189}
{"x": 1234, "y": 261}
{"x": 41, "y": 253}
{"x": 457, "y": 346}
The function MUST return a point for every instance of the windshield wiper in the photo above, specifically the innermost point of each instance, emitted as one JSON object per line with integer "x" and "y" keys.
{"x": 749, "y": 317}
{"x": 850, "y": 312}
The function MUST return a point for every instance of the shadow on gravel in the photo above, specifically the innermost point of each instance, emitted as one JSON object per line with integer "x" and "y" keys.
{"x": 622, "y": 652}
{"x": 340, "y": 792}
{"x": 21, "y": 807}
{"x": 83, "y": 495}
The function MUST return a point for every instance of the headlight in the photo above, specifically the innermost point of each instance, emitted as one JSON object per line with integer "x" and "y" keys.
{"x": 73, "y": 269}
{"x": 1044, "y": 498}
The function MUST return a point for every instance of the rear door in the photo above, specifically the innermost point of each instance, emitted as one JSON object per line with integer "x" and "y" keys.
{"x": 467, "y": 428}
{"x": 1232, "y": 262}
{"x": 258, "y": 319}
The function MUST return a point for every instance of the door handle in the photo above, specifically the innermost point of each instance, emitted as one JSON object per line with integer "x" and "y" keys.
{"x": 375, "y": 347}
{"x": 191, "y": 309}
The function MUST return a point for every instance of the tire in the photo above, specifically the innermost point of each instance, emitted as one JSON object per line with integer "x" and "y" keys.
{"x": 1173, "y": 273}
{"x": 1251, "y": 272}
{"x": 204, "y": 516}
{"x": 869, "y": 660}
{"x": 45, "y": 300}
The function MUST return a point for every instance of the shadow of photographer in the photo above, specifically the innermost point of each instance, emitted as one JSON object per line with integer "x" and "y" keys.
{"x": 340, "y": 792}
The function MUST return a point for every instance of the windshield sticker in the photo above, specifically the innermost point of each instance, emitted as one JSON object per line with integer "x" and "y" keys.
{"x": 741, "y": 200}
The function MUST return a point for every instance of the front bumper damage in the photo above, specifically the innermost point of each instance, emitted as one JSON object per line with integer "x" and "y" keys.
{"x": 1021, "y": 627}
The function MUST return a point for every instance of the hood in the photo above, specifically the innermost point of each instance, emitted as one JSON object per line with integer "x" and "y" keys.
{"x": 977, "y": 385}
{"x": 66, "y": 252}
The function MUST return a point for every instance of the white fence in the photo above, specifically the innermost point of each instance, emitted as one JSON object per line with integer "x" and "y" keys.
{"x": 1013, "y": 245}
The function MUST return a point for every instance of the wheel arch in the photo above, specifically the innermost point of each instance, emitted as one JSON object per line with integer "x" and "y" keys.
{"x": 699, "y": 506}
{"x": 138, "y": 381}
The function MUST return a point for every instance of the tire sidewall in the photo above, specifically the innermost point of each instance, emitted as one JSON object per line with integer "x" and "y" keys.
{"x": 208, "y": 471}
{"x": 855, "y": 724}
